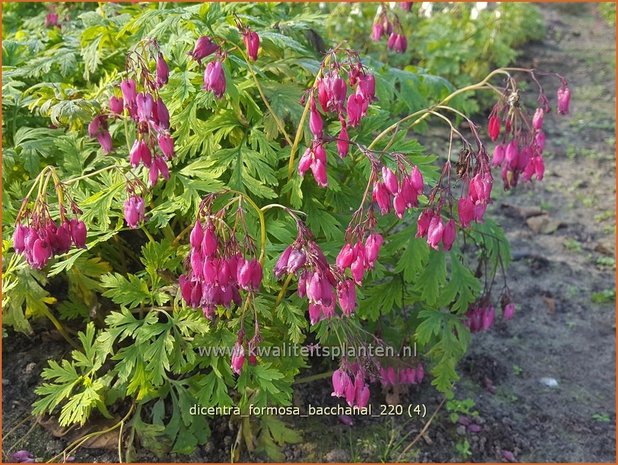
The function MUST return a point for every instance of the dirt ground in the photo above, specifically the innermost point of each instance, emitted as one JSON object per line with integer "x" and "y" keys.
{"x": 562, "y": 233}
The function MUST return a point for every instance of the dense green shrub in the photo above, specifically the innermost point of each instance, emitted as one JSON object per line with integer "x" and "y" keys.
{"x": 138, "y": 354}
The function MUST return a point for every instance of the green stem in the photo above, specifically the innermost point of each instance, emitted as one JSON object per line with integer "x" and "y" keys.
{"x": 309, "y": 379}
{"x": 59, "y": 327}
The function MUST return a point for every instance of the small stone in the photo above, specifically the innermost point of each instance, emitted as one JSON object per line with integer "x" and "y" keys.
{"x": 337, "y": 455}
{"x": 549, "y": 382}
{"x": 461, "y": 430}
{"x": 543, "y": 224}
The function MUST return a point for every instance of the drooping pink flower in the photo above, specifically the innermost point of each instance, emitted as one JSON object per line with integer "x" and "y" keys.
{"x": 377, "y": 31}
{"x": 115, "y": 104}
{"x": 343, "y": 141}
{"x": 449, "y": 234}
{"x": 144, "y": 106}
{"x": 163, "y": 71}
{"x": 252, "y": 44}
{"x": 316, "y": 125}
{"x": 390, "y": 180}
{"x": 498, "y": 156}
{"x": 166, "y": 144}
{"x": 19, "y": 237}
{"x": 422, "y": 225}
{"x": 318, "y": 168}
{"x": 564, "y": 99}
{"x": 509, "y": 311}
{"x": 355, "y": 109}
{"x": 345, "y": 257}
{"x": 238, "y": 357}
{"x": 465, "y": 209}
{"x": 210, "y": 242}
{"x": 134, "y": 211}
{"x": 435, "y": 231}
{"x": 340, "y": 380}
{"x": 78, "y": 233}
{"x": 214, "y": 78}
{"x": 361, "y": 392}
{"x": 372, "y": 248}
{"x": 204, "y": 46}
{"x": 129, "y": 92}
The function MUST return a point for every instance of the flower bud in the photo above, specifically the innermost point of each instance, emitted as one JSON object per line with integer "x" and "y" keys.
{"x": 493, "y": 127}
{"x": 163, "y": 71}
{"x": 537, "y": 119}
{"x": 358, "y": 269}
{"x": 19, "y": 237}
{"x": 316, "y": 125}
{"x": 381, "y": 197}
{"x": 399, "y": 204}
{"x": 41, "y": 253}
{"x": 423, "y": 222}
{"x": 508, "y": 311}
{"x": 238, "y": 358}
{"x": 197, "y": 235}
{"x": 305, "y": 162}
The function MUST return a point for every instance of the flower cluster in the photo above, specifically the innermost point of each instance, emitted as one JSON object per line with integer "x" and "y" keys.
{"x": 390, "y": 27}
{"x": 320, "y": 283}
{"x": 214, "y": 77}
{"x": 38, "y": 237}
{"x": 392, "y": 376}
{"x": 217, "y": 269}
{"x": 332, "y": 96}
{"x": 351, "y": 386}
{"x": 238, "y": 352}
{"x": 520, "y": 150}
{"x": 140, "y": 99}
